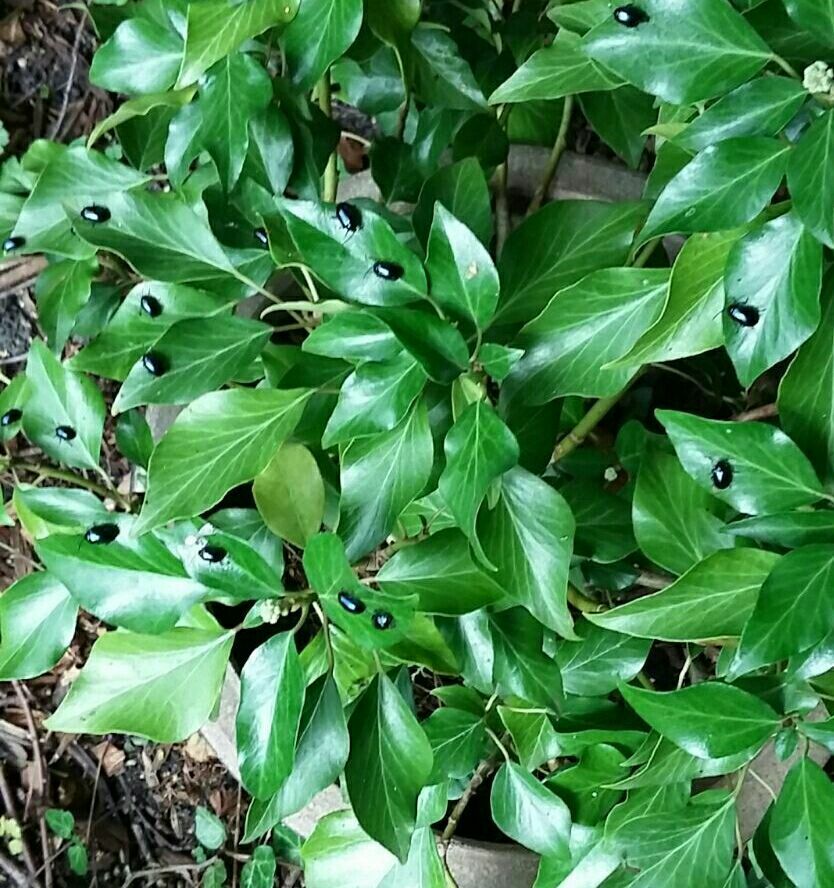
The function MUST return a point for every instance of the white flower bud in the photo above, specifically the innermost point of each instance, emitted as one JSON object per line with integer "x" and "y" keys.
{"x": 818, "y": 78}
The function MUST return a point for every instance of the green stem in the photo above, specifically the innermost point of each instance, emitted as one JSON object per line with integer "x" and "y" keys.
{"x": 325, "y": 628}
{"x": 586, "y": 425}
{"x": 331, "y": 172}
{"x": 72, "y": 478}
{"x": 786, "y": 66}
{"x": 555, "y": 156}
{"x": 582, "y": 602}
{"x": 646, "y": 253}
{"x": 502, "y": 208}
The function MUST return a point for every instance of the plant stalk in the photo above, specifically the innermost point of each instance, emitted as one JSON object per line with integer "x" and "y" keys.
{"x": 555, "y": 156}
{"x": 585, "y": 426}
{"x": 330, "y": 186}
{"x": 72, "y": 478}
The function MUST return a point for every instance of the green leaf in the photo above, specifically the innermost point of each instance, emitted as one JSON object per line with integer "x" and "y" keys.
{"x": 58, "y": 397}
{"x": 800, "y": 830}
{"x": 289, "y": 494}
{"x": 389, "y": 763}
{"x": 713, "y": 599}
{"x": 216, "y": 29}
{"x": 810, "y": 181}
{"x": 142, "y": 56}
{"x": 463, "y": 278}
{"x": 724, "y": 186}
{"x": 259, "y": 870}
{"x": 762, "y": 107}
{"x": 344, "y": 260}
{"x": 380, "y": 476}
{"x": 221, "y": 440}
{"x": 423, "y": 867}
{"x": 375, "y": 398}
{"x": 675, "y": 520}
{"x": 442, "y": 75}
{"x": 584, "y": 786}
{"x": 479, "y": 448}
{"x": 458, "y": 741}
{"x": 708, "y": 720}
{"x": 522, "y": 669}
{"x": 209, "y": 828}
{"x": 585, "y": 327}
{"x": 787, "y": 529}
{"x": 37, "y": 623}
{"x": 195, "y": 356}
{"x": 163, "y": 687}
{"x": 599, "y": 660}
{"x": 441, "y": 571}
{"x": 498, "y": 360}
{"x": 271, "y": 700}
{"x": 769, "y": 472}
{"x": 104, "y": 578}
{"x": 231, "y": 93}
{"x": 154, "y": 107}
{"x": 46, "y": 510}
{"x": 559, "y": 245}
{"x": 534, "y": 737}
{"x": 320, "y": 33}
{"x": 696, "y": 50}
{"x": 13, "y": 396}
{"x": 62, "y": 823}
{"x": 776, "y": 270}
{"x": 620, "y": 117}
{"x": 133, "y": 438}
{"x": 806, "y": 394}
{"x": 528, "y": 536}
{"x": 353, "y": 336}
{"x": 320, "y": 756}
{"x": 794, "y": 609}
{"x": 62, "y": 290}
{"x": 603, "y": 522}
{"x": 818, "y": 18}
{"x": 529, "y": 812}
{"x": 819, "y": 732}
{"x": 561, "y": 69}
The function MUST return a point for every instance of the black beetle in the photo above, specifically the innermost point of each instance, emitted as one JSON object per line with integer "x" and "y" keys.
{"x": 11, "y": 416}
{"x": 212, "y": 554}
{"x": 382, "y": 620}
{"x": 65, "y": 432}
{"x": 744, "y": 315}
{"x": 151, "y": 305}
{"x": 13, "y": 243}
{"x": 154, "y": 363}
{"x": 630, "y": 16}
{"x": 95, "y": 214}
{"x": 722, "y": 474}
{"x": 262, "y": 237}
{"x": 388, "y": 271}
{"x": 349, "y": 216}
{"x": 102, "y": 533}
{"x": 351, "y": 604}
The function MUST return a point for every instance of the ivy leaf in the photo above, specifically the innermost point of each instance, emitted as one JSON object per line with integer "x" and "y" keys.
{"x": 800, "y": 831}
{"x": 37, "y": 623}
{"x": 195, "y": 356}
{"x": 353, "y": 336}
{"x": 60, "y": 398}
{"x": 214, "y": 30}
{"x": 271, "y": 701}
{"x": 458, "y": 741}
{"x": 522, "y": 669}
{"x": 708, "y": 720}
{"x": 790, "y": 529}
{"x": 815, "y": 18}
{"x": 713, "y": 599}
{"x": 599, "y": 660}
{"x": 13, "y": 397}
{"x": 219, "y": 441}
{"x": 528, "y": 536}
{"x": 180, "y": 671}
{"x": 442, "y": 75}
{"x": 320, "y": 756}
{"x": 621, "y": 117}
{"x": 561, "y": 69}
{"x": 675, "y": 520}
{"x": 231, "y": 93}
{"x": 463, "y": 277}
{"x": 762, "y": 107}
{"x": 440, "y": 570}
{"x": 479, "y": 448}
{"x": 806, "y": 402}
{"x": 809, "y": 179}
{"x": 209, "y": 829}
{"x": 142, "y": 56}
{"x": 559, "y": 245}
{"x": 775, "y": 270}
{"x": 529, "y": 812}
{"x": 568, "y": 345}
{"x": 724, "y": 186}
{"x": 716, "y": 49}
{"x": 534, "y": 737}
{"x": 289, "y": 494}
{"x": 259, "y": 870}
{"x": 47, "y": 510}
{"x": 768, "y": 472}
{"x": 133, "y": 438}
{"x": 793, "y": 610}
{"x": 423, "y": 867}
{"x": 585, "y": 786}
{"x": 62, "y": 290}
{"x": 375, "y": 398}
{"x": 389, "y": 763}
{"x": 603, "y": 522}
{"x": 380, "y": 476}
{"x": 321, "y": 32}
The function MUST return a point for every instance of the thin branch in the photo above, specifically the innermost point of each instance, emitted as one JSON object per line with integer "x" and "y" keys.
{"x": 766, "y": 411}
{"x": 484, "y": 769}
{"x": 11, "y": 812}
{"x": 56, "y": 127}
{"x": 502, "y": 207}
{"x": 586, "y": 425}
{"x": 330, "y": 185}
{"x": 555, "y": 156}
{"x": 72, "y": 478}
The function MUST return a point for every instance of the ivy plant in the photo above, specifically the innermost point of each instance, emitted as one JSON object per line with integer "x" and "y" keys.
{"x": 471, "y": 485}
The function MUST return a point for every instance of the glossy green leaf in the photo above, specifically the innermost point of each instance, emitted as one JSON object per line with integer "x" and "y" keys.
{"x": 790, "y": 529}
{"x": 800, "y": 830}
{"x": 219, "y": 441}
{"x": 209, "y": 829}
{"x": 724, "y": 186}
{"x": 380, "y": 476}
{"x": 424, "y": 866}
{"x": 708, "y": 720}
{"x": 529, "y": 812}
{"x": 534, "y": 737}
{"x": 776, "y": 270}
{"x": 584, "y": 786}
{"x": 442, "y": 76}
{"x": 585, "y": 327}
{"x": 479, "y": 448}
{"x": 389, "y": 763}
{"x": 133, "y": 438}
{"x": 559, "y": 245}
{"x": 769, "y": 472}
{"x": 599, "y": 660}
{"x": 353, "y": 336}
{"x": 320, "y": 33}
{"x": 528, "y": 536}
{"x": 142, "y": 56}
{"x": 810, "y": 180}
{"x": 61, "y": 292}
{"x": 793, "y": 611}
{"x": 37, "y": 623}
{"x": 163, "y": 687}
{"x": 458, "y": 740}
{"x": 13, "y": 396}
{"x": 259, "y": 870}
{"x": 61, "y": 398}
{"x": 715, "y": 51}
{"x": 271, "y": 701}
{"x": 818, "y": 18}
{"x": 621, "y": 117}
{"x": 46, "y": 510}
{"x": 604, "y": 530}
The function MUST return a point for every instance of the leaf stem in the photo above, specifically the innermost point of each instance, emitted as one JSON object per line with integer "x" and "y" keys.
{"x": 72, "y": 478}
{"x": 646, "y": 253}
{"x": 484, "y": 769}
{"x": 502, "y": 208}
{"x": 582, "y": 602}
{"x": 586, "y": 425}
{"x": 786, "y": 66}
{"x": 331, "y": 171}
{"x": 328, "y": 641}
{"x": 555, "y": 156}
{"x": 500, "y": 744}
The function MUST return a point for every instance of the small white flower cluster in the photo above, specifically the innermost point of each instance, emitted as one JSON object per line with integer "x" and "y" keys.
{"x": 819, "y": 78}
{"x": 272, "y": 609}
